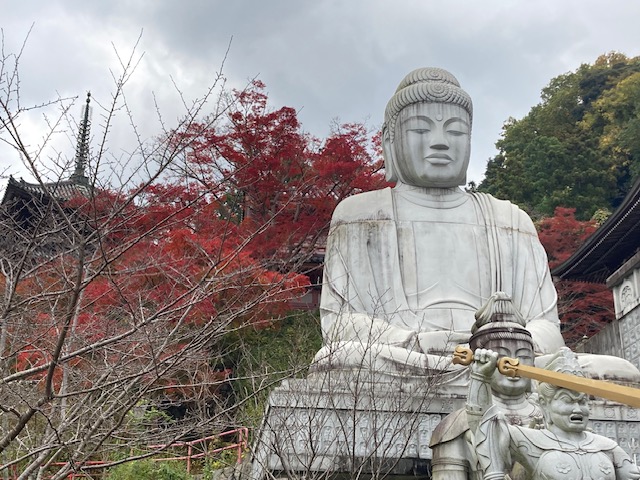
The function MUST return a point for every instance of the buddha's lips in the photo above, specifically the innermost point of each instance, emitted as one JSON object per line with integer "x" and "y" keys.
{"x": 438, "y": 159}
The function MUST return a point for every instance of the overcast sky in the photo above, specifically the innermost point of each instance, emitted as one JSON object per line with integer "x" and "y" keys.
{"x": 327, "y": 59}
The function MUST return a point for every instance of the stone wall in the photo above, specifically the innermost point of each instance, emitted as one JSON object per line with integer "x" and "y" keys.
{"x": 605, "y": 342}
{"x": 625, "y": 286}
{"x": 315, "y": 425}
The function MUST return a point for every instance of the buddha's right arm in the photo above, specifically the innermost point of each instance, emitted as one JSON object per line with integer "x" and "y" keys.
{"x": 366, "y": 330}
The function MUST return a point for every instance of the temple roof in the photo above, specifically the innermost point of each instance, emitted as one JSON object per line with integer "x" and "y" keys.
{"x": 76, "y": 185}
{"x": 62, "y": 190}
{"x": 604, "y": 252}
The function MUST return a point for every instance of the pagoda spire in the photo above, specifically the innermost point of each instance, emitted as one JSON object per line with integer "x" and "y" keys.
{"x": 82, "y": 148}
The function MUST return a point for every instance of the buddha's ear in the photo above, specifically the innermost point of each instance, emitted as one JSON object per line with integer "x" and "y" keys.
{"x": 388, "y": 152}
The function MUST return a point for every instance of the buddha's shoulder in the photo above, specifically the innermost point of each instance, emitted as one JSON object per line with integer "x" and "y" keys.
{"x": 504, "y": 212}
{"x": 373, "y": 205}
{"x": 496, "y": 203}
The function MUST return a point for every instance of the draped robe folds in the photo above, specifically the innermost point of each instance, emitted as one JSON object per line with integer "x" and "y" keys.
{"x": 403, "y": 281}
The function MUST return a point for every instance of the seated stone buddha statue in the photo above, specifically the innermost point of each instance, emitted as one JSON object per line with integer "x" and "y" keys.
{"x": 407, "y": 267}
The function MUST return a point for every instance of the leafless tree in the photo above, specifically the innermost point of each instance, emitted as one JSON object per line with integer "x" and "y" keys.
{"x": 75, "y": 376}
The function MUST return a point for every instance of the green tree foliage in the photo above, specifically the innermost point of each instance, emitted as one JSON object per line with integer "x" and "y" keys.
{"x": 616, "y": 115}
{"x": 579, "y": 147}
{"x": 268, "y": 355}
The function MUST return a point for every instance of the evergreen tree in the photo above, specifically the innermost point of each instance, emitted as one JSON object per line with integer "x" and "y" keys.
{"x": 579, "y": 147}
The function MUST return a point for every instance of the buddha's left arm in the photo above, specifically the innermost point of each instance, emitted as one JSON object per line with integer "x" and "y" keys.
{"x": 546, "y": 336}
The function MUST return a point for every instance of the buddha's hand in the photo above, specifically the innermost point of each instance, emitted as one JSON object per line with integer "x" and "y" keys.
{"x": 441, "y": 343}
{"x": 484, "y": 363}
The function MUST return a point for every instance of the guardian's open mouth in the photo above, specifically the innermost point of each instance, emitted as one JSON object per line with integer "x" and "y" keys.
{"x": 576, "y": 417}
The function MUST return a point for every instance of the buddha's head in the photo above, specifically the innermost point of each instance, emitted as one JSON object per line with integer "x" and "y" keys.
{"x": 500, "y": 327}
{"x": 427, "y": 130}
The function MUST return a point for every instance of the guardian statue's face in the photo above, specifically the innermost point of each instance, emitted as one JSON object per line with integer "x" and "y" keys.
{"x": 504, "y": 385}
{"x": 568, "y": 410}
{"x": 432, "y": 145}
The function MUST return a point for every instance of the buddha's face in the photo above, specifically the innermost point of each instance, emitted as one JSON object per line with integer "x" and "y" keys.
{"x": 503, "y": 385}
{"x": 568, "y": 410}
{"x": 432, "y": 145}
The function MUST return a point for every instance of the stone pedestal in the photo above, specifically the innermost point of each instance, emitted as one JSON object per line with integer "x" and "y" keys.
{"x": 342, "y": 424}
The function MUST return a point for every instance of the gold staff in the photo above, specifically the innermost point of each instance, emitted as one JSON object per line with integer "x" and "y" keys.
{"x": 511, "y": 367}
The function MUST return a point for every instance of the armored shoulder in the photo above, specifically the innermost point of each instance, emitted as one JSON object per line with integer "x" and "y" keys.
{"x": 452, "y": 426}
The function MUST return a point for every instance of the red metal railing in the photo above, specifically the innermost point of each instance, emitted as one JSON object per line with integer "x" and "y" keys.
{"x": 243, "y": 435}
{"x": 196, "y": 449}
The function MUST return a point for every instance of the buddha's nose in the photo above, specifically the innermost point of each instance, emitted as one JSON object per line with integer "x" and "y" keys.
{"x": 440, "y": 143}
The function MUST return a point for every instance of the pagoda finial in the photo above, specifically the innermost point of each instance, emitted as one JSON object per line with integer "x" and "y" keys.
{"x": 82, "y": 149}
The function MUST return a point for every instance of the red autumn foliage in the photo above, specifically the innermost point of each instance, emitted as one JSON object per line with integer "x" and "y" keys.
{"x": 276, "y": 183}
{"x": 217, "y": 244}
{"x": 584, "y": 308}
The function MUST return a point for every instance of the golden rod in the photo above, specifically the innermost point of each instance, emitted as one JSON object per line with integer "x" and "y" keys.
{"x": 511, "y": 367}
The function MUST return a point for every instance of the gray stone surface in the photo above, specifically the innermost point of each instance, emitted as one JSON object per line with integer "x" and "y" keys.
{"x": 565, "y": 447}
{"x": 630, "y": 336}
{"x": 405, "y": 271}
{"x": 622, "y": 336}
{"x": 407, "y": 267}
{"x": 329, "y": 425}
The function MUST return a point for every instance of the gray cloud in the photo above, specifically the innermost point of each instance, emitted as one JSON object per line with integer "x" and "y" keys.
{"x": 328, "y": 59}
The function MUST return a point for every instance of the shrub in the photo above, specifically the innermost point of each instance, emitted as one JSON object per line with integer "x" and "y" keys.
{"x": 149, "y": 470}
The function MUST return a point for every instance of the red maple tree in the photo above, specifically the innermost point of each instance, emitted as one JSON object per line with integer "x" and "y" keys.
{"x": 278, "y": 184}
{"x": 584, "y": 308}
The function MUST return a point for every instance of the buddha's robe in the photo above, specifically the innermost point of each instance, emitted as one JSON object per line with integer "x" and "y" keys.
{"x": 406, "y": 269}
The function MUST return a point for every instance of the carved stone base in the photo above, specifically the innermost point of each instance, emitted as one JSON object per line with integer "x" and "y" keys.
{"x": 345, "y": 423}
{"x": 617, "y": 422}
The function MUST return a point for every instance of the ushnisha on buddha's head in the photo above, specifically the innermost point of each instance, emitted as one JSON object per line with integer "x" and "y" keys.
{"x": 427, "y": 131}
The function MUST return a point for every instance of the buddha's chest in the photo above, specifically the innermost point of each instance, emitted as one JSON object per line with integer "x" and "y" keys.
{"x": 443, "y": 256}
